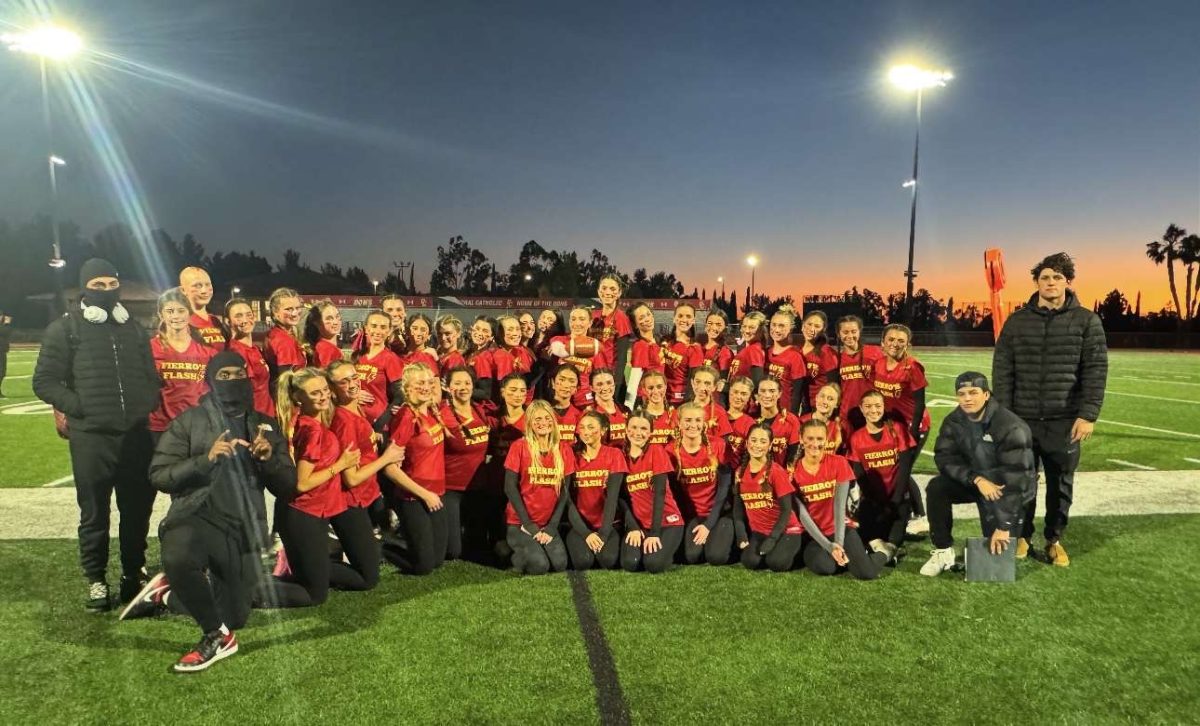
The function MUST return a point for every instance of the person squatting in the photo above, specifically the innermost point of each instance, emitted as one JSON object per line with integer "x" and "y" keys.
{"x": 524, "y": 442}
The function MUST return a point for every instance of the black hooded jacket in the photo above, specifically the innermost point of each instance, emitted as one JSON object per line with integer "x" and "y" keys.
{"x": 101, "y": 375}
{"x": 998, "y": 447}
{"x": 1051, "y": 364}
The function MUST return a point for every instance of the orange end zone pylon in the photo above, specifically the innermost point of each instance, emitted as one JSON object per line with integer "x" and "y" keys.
{"x": 993, "y": 270}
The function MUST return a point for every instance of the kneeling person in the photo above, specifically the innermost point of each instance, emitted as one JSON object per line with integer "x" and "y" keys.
{"x": 214, "y": 460}
{"x": 984, "y": 455}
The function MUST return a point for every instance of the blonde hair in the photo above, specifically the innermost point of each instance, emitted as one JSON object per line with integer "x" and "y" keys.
{"x": 289, "y": 382}
{"x": 531, "y": 439}
{"x": 704, "y": 442}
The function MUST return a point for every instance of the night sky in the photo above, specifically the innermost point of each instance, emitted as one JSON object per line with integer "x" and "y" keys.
{"x": 676, "y": 136}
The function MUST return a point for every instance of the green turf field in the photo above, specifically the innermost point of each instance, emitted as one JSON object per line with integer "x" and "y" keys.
{"x": 1113, "y": 639}
{"x": 1149, "y": 419}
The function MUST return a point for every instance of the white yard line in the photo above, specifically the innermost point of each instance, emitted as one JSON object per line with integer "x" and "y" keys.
{"x": 1149, "y": 428}
{"x": 1194, "y": 461}
{"x": 1122, "y": 462}
{"x": 1155, "y": 398}
{"x": 927, "y": 453}
{"x": 56, "y": 482}
{"x": 11, "y": 378}
{"x": 1156, "y": 380}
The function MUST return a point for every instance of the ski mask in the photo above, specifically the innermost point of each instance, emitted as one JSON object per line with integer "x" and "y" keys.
{"x": 235, "y": 397}
{"x": 103, "y": 299}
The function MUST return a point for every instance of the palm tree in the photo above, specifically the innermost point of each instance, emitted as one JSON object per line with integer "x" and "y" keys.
{"x": 1189, "y": 255}
{"x": 1167, "y": 250}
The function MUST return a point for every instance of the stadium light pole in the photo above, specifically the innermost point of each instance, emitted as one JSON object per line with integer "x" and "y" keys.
{"x": 49, "y": 43}
{"x": 752, "y": 260}
{"x": 721, "y": 280}
{"x": 375, "y": 287}
{"x": 912, "y": 78}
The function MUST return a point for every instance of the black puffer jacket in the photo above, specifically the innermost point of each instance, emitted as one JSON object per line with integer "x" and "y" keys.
{"x": 1051, "y": 364}
{"x": 181, "y": 468}
{"x": 999, "y": 447}
{"x": 111, "y": 385}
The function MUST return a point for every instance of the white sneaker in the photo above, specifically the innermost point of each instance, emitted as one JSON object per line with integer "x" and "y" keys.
{"x": 939, "y": 562}
{"x": 917, "y": 526}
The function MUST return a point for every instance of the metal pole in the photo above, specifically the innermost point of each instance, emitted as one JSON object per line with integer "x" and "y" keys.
{"x": 912, "y": 221}
{"x": 750, "y": 302}
{"x": 56, "y": 262}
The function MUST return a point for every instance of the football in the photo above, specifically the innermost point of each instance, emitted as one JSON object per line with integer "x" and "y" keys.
{"x": 584, "y": 347}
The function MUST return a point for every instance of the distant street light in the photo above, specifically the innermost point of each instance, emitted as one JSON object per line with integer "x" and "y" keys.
{"x": 56, "y": 44}
{"x": 236, "y": 291}
{"x": 528, "y": 277}
{"x": 721, "y": 279}
{"x": 752, "y": 260}
{"x": 375, "y": 285}
{"x": 912, "y": 78}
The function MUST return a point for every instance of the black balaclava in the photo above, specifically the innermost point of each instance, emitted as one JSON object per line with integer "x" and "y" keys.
{"x": 104, "y": 299}
{"x": 234, "y": 397}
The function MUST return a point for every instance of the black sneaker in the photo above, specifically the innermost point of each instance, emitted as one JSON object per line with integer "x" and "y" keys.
{"x": 97, "y": 599}
{"x": 149, "y": 601}
{"x": 212, "y": 647}
{"x": 131, "y": 585}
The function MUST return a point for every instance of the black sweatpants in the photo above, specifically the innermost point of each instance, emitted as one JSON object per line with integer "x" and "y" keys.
{"x": 531, "y": 558}
{"x": 717, "y": 550}
{"x": 944, "y": 492}
{"x": 452, "y": 502}
{"x": 483, "y": 523}
{"x": 917, "y": 507}
{"x": 425, "y": 537}
{"x": 861, "y": 565}
{"x": 883, "y": 519}
{"x": 306, "y": 540}
{"x": 634, "y": 559}
{"x": 582, "y": 557}
{"x": 102, "y": 463}
{"x": 211, "y": 574}
{"x": 1058, "y": 458}
{"x": 781, "y": 558}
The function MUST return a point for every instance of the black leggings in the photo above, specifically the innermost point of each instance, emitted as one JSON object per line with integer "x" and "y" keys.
{"x": 881, "y": 519}
{"x": 211, "y": 575}
{"x": 582, "y": 557}
{"x": 531, "y": 558}
{"x": 781, "y": 558}
{"x": 425, "y": 538}
{"x": 914, "y": 491}
{"x": 633, "y": 558}
{"x": 452, "y": 502}
{"x": 306, "y": 541}
{"x": 862, "y": 565}
{"x": 716, "y": 550}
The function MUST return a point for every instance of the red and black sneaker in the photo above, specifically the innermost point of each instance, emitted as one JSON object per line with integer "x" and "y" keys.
{"x": 212, "y": 647}
{"x": 149, "y": 600}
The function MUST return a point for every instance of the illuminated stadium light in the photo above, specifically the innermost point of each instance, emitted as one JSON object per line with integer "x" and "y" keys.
{"x": 48, "y": 41}
{"x": 912, "y": 78}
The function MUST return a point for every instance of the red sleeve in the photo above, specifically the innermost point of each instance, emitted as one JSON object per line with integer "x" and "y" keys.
{"x": 695, "y": 357}
{"x": 756, "y": 357}
{"x": 719, "y": 447}
{"x": 568, "y": 455}
{"x": 794, "y": 433}
{"x": 307, "y": 444}
{"x": 621, "y": 324}
{"x": 852, "y": 450}
{"x": 916, "y": 376}
{"x": 483, "y": 365}
{"x": 641, "y": 355}
{"x": 906, "y": 440}
{"x": 842, "y": 470}
{"x": 829, "y": 359}
{"x": 502, "y": 364}
{"x": 662, "y": 462}
{"x": 722, "y": 429}
{"x": 616, "y": 462}
{"x": 405, "y": 428}
{"x": 781, "y": 483}
{"x": 515, "y": 461}
{"x": 799, "y": 370}
{"x": 600, "y": 360}
{"x": 394, "y": 367}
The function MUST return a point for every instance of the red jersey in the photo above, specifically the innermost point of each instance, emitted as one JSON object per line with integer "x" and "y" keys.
{"x": 817, "y": 490}
{"x": 638, "y": 485}
{"x": 880, "y": 458}
{"x": 736, "y": 440}
{"x": 762, "y": 507}
{"x": 817, "y": 365}
{"x": 448, "y": 361}
{"x": 717, "y": 356}
{"x": 663, "y": 427}
{"x": 208, "y": 330}
{"x": 540, "y": 482}
{"x": 522, "y": 361}
{"x": 748, "y": 358}
{"x": 421, "y": 356}
{"x": 856, "y": 371}
{"x": 376, "y": 374}
{"x": 318, "y": 445}
{"x": 716, "y": 421}
{"x": 282, "y": 351}
{"x": 647, "y": 355}
{"x": 696, "y": 476}
{"x": 483, "y": 362}
{"x": 583, "y": 394}
{"x": 607, "y": 329}
{"x": 325, "y": 353}
{"x": 568, "y": 419}
{"x": 785, "y": 431}
{"x": 502, "y": 363}
{"x": 466, "y": 445}
{"x": 591, "y": 478}
{"x": 835, "y": 434}
{"x": 422, "y": 437}
{"x": 182, "y": 375}
{"x": 352, "y": 429}
{"x": 504, "y": 434}
{"x": 616, "y": 424}
{"x": 897, "y": 386}
{"x": 259, "y": 374}
{"x": 788, "y": 367}
{"x": 678, "y": 360}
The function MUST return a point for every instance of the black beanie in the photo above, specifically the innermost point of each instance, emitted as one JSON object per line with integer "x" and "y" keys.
{"x": 224, "y": 359}
{"x": 96, "y": 267}
{"x": 971, "y": 378}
